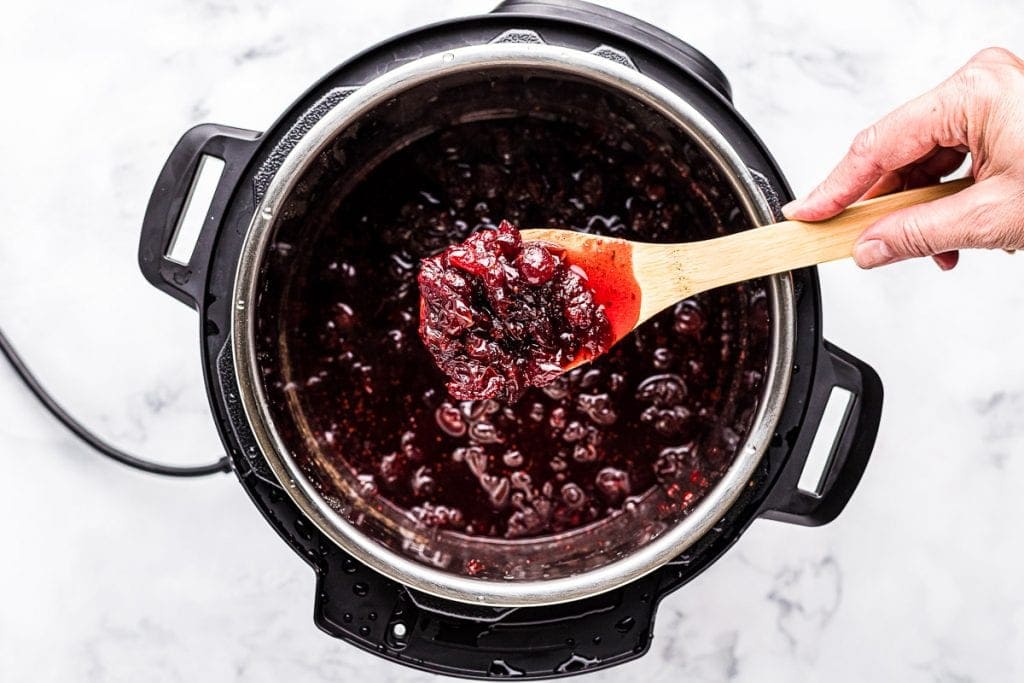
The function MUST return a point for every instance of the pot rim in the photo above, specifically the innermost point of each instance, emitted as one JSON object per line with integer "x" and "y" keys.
{"x": 561, "y": 60}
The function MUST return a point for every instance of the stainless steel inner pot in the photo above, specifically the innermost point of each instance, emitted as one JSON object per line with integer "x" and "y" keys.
{"x": 406, "y": 554}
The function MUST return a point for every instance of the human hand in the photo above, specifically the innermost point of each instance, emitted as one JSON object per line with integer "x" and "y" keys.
{"x": 978, "y": 110}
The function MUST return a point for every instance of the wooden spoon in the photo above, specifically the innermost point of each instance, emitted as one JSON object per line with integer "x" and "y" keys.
{"x": 636, "y": 280}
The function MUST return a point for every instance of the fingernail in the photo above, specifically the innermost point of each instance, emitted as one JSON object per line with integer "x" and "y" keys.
{"x": 791, "y": 208}
{"x": 872, "y": 253}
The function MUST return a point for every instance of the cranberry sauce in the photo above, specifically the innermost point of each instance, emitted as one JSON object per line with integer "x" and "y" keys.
{"x": 351, "y": 384}
{"x": 498, "y": 315}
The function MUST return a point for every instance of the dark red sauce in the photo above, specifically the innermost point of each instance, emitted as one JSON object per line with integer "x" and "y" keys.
{"x": 352, "y": 386}
{"x": 499, "y": 315}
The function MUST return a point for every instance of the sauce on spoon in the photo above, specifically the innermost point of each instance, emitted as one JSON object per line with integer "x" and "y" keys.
{"x": 498, "y": 314}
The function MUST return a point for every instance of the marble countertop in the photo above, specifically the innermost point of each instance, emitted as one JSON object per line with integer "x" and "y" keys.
{"x": 111, "y": 575}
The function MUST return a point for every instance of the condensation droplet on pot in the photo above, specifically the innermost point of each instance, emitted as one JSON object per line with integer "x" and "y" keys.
{"x": 437, "y": 515}
{"x": 367, "y": 485}
{"x": 673, "y": 461}
{"x": 409, "y": 447}
{"x": 421, "y": 482}
{"x": 515, "y": 573}
{"x": 390, "y": 467}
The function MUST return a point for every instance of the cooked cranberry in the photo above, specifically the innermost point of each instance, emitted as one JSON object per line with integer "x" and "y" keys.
{"x": 498, "y": 315}
{"x": 537, "y": 264}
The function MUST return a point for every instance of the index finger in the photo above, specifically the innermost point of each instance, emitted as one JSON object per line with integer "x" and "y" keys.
{"x": 934, "y": 119}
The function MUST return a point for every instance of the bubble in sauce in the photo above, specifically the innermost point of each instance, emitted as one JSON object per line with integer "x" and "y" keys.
{"x": 449, "y": 418}
{"x": 512, "y": 458}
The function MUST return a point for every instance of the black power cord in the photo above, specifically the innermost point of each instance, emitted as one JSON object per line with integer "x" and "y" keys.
{"x": 104, "y": 448}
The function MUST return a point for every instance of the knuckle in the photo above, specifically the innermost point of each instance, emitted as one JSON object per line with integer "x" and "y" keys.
{"x": 991, "y": 226}
{"x": 1015, "y": 227}
{"x": 864, "y": 148}
{"x": 914, "y": 238}
{"x": 865, "y": 143}
{"x": 976, "y": 91}
{"x": 977, "y": 78}
{"x": 995, "y": 55}
{"x": 981, "y": 227}
{"x": 990, "y": 72}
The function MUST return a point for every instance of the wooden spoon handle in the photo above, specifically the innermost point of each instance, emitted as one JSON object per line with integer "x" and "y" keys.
{"x": 669, "y": 273}
{"x": 796, "y": 244}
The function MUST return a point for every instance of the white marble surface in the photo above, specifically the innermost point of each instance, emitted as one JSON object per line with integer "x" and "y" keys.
{"x": 110, "y": 575}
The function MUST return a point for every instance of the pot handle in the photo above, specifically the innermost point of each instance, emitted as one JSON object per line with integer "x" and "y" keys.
{"x": 851, "y": 447}
{"x": 171, "y": 196}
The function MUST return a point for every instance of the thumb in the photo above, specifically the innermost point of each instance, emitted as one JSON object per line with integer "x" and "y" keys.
{"x": 971, "y": 218}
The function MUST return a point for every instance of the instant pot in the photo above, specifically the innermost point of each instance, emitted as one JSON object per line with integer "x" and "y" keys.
{"x": 377, "y": 587}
